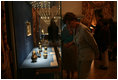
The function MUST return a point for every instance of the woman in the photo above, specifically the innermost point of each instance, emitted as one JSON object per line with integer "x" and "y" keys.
{"x": 86, "y": 44}
{"x": 69, "y": 52}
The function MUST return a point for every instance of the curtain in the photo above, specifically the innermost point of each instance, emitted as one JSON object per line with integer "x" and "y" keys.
{"x": 5, "y": 49}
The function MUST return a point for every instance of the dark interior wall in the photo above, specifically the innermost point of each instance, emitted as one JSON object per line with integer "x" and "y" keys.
{"x": 22, "y": 12}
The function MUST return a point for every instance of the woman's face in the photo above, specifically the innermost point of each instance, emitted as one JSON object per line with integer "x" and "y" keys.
{"x": 73, "y": 24}
{"x": 69, "y": 26}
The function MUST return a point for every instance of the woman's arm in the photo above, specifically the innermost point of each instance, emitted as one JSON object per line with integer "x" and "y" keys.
{"x": 69, "y": 44}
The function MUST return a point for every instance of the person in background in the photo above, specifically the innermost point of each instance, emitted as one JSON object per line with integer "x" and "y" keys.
{"x": 102, "y": 37}
{"x": 97, "y": 35}
{"x": 87, "y": 47}
{"x": 69, "y": 52}
{"x": 53, "y": 31}
{"x": 113, "y": 45}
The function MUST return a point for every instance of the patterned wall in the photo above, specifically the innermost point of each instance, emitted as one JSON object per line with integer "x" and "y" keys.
{"x": 88, "y": 8}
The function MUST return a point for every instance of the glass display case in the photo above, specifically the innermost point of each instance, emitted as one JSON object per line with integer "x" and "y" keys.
{"x": 46, "y": 55}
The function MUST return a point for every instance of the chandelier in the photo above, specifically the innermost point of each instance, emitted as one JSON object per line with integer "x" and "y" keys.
{"x": 40, "y": 4}
{"x": 47, "y": 10}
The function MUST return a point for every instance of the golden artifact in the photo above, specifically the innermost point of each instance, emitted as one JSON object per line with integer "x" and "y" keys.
{"x": 34, "y": 56}
{"x": 40, "y": 46}
{"x": 39, "y": 54}
{"x": 28, "y": 28}
{"x": 45, "y": 56}
{"x": 45, "y": 48}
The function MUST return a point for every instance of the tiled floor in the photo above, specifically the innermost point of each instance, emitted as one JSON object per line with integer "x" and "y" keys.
{"x": 96, "y": 73}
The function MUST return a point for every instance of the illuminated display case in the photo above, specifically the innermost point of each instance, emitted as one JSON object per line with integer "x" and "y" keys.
{"x": 43, "y": 55}
{"x": 34, "y": 51}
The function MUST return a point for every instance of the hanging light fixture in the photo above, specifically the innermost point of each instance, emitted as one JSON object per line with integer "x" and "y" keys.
{"x": 47, "y": 10}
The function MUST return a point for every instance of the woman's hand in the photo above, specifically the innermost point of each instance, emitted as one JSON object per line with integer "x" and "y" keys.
{"x": 68, "y": 44}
